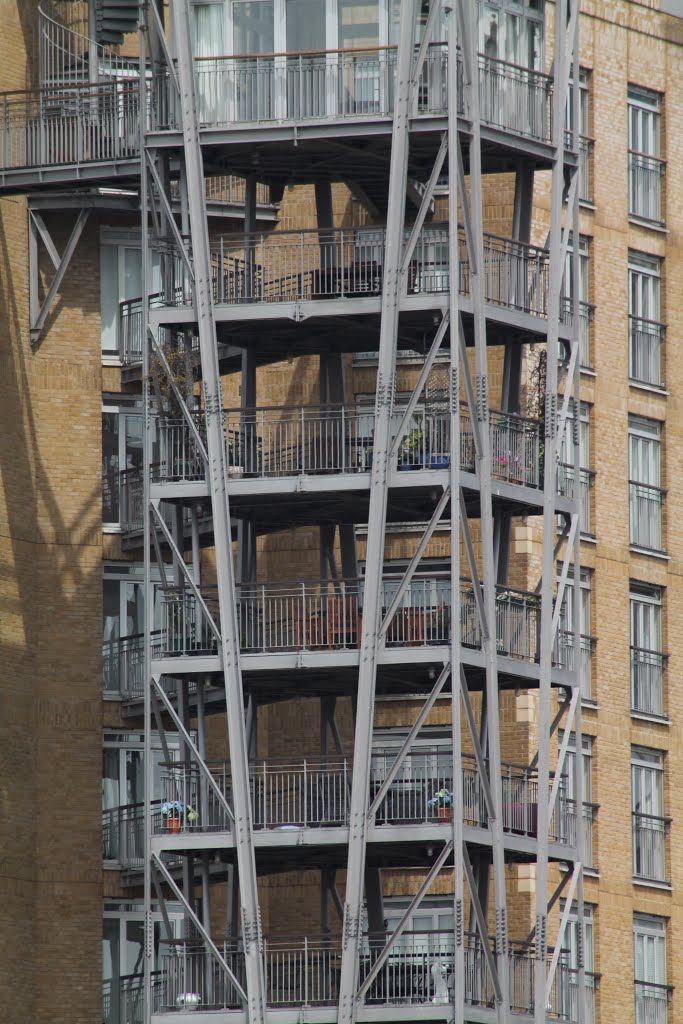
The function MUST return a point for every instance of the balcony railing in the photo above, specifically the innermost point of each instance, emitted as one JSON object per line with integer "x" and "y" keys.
{"x": 306, "y": 972}
{"x": 571, "y": 1012}
{"x": 646, "y": 503}
{"x": 122, "y": 998}
{"x": 566, "y": 488}
{"x": 123, "y": 835}
{"x": 651, "y": 1002}
{"x": 123, "y": 665}
{"x": 645, "y": 175}
{"x": 647, "y": 681}
{"x": 316, "y": 794}
{"x": 649, "y": 847}
{"x": 585, "y": 169}
{"x": 296, "y": 266}
{"x": 285, "y": 441}
{"x": 72, "y": 124}
{"x": 280, "y": 617}
{"x": 645, "y": 342}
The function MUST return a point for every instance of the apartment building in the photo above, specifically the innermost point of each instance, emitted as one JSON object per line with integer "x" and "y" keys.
{"x": 274, "y": 746}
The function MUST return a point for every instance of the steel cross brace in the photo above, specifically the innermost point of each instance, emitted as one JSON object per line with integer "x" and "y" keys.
{"x": 421, "y": 382}
{"x": 405, "y": 918}
{"x": 369, "y": 641}
{"x": 38, "y": 317}
{"x": 159, "y": 691}
{"x": 217, "y": 479}
{"x": 557, "y": 242}
{"x": 187, "y": 416}
{"x": 468, "y": 13}
{"x": 161, "y": 868}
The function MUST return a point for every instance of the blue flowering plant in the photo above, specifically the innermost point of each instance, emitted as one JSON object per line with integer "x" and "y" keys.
{"x": 177, "y": 809}
{"x": 444, "y": 798}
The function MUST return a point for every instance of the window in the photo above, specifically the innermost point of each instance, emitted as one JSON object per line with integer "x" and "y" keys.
{"x": 585, "y": 310}
{"x": 208, "y": 41}
{"x": 646, "y": 497}
{"x": 123, "y": 624}
{"x": 123, "y": 945}
{"x": 565, "y": 652}
{"x": 121, "y": 294}
{"x": 645, "y": 168}
{"x": 565, "y": 470}
{"x": 649, "y": 969}
{"x": 429, "y": 932}
{"x": 123, "y": 793}
{"x": 509, "y": 32}
{"x": 587, "y": 782}
{"x": 647, "y": 659}
{"x": 121, "y": 452}
{"x": 572, "y": 943}
{"x": 585, "y": 143}
{"x": 647, "y": 806}
{"x": 646, "y": 333}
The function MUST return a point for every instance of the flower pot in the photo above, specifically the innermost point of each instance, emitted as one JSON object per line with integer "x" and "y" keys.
{"x": 236, "y": 472}
{"x": 173, "y": 824}
{"x": 439, "y": 462}
{"x": 446, "y": 813}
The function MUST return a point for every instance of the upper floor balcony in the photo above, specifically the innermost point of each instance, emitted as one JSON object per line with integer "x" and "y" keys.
{"x": 417, "y": 973}
{"x": 80, "y": 130}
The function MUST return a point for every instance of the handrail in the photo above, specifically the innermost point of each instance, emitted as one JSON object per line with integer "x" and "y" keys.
{"x": 662, "y": 491}
{"x": 661, "y": 325}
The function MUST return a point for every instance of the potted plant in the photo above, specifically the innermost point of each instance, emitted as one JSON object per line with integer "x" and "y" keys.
{"x": 175, "y": 812}
{"x": 442, "y": 803}
{"x": 412, "y": 450}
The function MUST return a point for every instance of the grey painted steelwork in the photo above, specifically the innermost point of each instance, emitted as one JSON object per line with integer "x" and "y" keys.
{"x": 472, "y": 879}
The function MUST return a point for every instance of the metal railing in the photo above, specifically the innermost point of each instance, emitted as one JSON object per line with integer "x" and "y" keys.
{"x": 586, "y": 146}
{"x": 646, "y": 503}
{"x": 586, "y": 317}
{"x": 571, "y": 1011}
{"x": 65, "y": 51}
{"x": 306, "y": 972}
{"x": 130, "y": 336}
{"x": 284, "y": 441}
{"x": 651, "y": 1002}
{"x": 647, "y": 681}
{"x": 645, "y": 175}
{"x": 123, "y": 665}
{"x": 294, "y": 266}
{"x": 515, "y": 98}
{"x": 649, "y": 846}
{"x": 645, "y": 342}
{"x": 123, "y": 998}
{"x": 70, "y": 125}
{"x": 123, "y": 834}
{"x": 564, "y": 656}
{"x": 566, "y": 488}
{"x": 131, "y": 499}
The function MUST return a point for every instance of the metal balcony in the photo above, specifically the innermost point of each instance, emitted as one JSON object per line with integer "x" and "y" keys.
{"x": 306, "y": 971}
{"x": 645, "y": 174}
{"x": 647, "y": 681}
{"x": 651, "y": 1002}
{"x": 645, "y": 343}
{"x": 123, "y": 665}
{"x": 308, "y": 616}
{"x": 315, "y": 794}
{"x": 649, "y": 846}
{"x": 122, "y": 998}
{"x": 347, "y": 263}
{"x": 355, "y": 85}
{"x": 646, "y": 504}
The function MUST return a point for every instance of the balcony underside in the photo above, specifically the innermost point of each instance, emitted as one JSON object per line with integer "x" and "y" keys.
{"x": 389, "y": 846}
{"x": 402, "y": 672}
{"x": 275, "y": 503}
{"x": 282, "y": 153}
{"x": 278, "y": 331}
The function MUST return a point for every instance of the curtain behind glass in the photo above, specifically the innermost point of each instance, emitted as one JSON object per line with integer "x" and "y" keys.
{"x": 208, "y": 41}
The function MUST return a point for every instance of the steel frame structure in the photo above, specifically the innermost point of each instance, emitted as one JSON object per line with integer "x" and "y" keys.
{"x": 463, "y": 153}
{"x": 174, "y": 152}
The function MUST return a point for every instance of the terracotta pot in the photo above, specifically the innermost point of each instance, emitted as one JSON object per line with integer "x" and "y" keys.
{"x": 446, "y": 813}
{"x": 173, "y": 824}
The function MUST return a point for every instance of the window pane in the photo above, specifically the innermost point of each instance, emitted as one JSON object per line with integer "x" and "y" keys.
{"x": 253, "y": 27}
{"x": 110, "y": 467}
{"x": 109, "y": 298}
